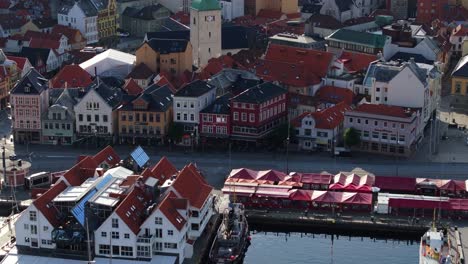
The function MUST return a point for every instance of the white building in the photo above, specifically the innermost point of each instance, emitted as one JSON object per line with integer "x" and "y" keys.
{"x": 343, "y": 10}
{"x": 205, "y": 31}
{"x": 95, "y": 113}
{"x": 320, "y": 130}
{"x": 176, "y": 5}
{"x": 403, "y": 84}
{"x": 189, "y": 101}
{"x": 82, "y": 15}
{"x": 232, "y": 9}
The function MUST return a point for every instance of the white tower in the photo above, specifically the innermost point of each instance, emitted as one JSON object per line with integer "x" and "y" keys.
{"x": 205, "y": 31}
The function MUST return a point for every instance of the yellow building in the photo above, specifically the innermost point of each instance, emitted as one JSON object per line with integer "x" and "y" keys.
{"x": 252, "y": 7}
{"x": 107, "y": 21}
{"x": 173, "y": 56}
{"x": 147, "y": 118}
{"x": 460, "y": 77}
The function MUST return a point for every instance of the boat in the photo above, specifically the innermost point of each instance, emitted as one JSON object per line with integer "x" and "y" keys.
{"x": 434, "y": 248}
{"x": 232, "y": 239}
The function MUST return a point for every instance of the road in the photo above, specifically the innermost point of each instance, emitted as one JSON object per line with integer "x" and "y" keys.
{"x": 216, "y": 166}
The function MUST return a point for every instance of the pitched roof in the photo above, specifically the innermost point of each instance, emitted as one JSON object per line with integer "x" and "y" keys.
{"x": 358, "y": 37}
{"x": 386, "y": 71}
{"x": 168, "y": 208}
{"x": 44, "y": 203}
{"x": 383, "y": 110}
{"x": 86, "y": 5}
{"x": 140, "y": 72}
{"x": 461, "y": 69}
{"x": 190, "y": 185}
{"x": 43, "y": 23}
{"x": 71, "y": 76}
{"x": 83, "y": 170}
{"x": 324, "y": 21}
{"x": 107, "y": 155}
{"x": 335, "y": 95}
{"x": 162, "y": 171}
{"x": 110, "y": 94}
{"x": 131, "y": 87}
{"x": 215, "y": 65}
{"x": 69, "y": 32}
{"x": 11, "y": 21}
{"x": 404, "y": 56}
{"x": 260, "y": 93}
{"x": 355, "y": 61}
{"x": 145, "y": 13}
{"x": 131, "y": 209}
{"x": 219, "y": 106}
{"x": 195, "y": 89}
{"x": 34, "y": 55}
{"x": 205, "y": 5}
{"x": 159, "y": 99}
{"x": 20, "y": 61}
{"x": 32, "y": 83}
{"x": 167, "y": 46}
{"x": 328, "y": 118}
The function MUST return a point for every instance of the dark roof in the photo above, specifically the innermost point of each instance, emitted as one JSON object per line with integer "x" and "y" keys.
{"x": 311, "y": 8}
{"x": 11, "y": 21}
{"x": 100, "y": 4}
{"x": 219, "y": 106}
{"x": 242, "y": 84}
{"x": 166, "y": 46}
{"x": 404, "y": 56}
{"x": 88, "y": 8}
{"x": 364, "y": 38}
{"x": 170, "y": 24}
{"x": 34, "y": 81}
{"x": 461, "y": 69}
{"x": 159, "y": 99}
{"x": 141, "y": 71}
{"x": 260, "y": 93}
{"x": 195, "y": 89}
{"x": 145, "y": 13}
{"x": 75, "y": 93}
{"x": 34, "y": 54}
{"x": 110, "y": 94}
{"x": 324, "y": 21}
{"x": 180, "y": 34}
{"x": 44, "y": 22}
{"x": 344, "y": 5}
{"x": 113, "y": 81}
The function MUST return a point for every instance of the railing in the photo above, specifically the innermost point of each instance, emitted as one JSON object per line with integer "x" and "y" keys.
{"x": 145, "y": 239}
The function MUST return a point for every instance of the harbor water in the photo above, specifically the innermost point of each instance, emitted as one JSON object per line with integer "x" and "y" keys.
{"x": 300, "y": 248}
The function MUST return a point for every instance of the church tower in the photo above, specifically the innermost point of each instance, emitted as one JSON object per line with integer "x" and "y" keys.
{"x": 205, "y": 31}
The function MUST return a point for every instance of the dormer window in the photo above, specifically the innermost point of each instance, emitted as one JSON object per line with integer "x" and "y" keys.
{"x": 27, "y": 89}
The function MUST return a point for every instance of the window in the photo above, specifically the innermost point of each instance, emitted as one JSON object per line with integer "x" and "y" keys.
{"x": 45, "y": 228}
{"x": 26, "y": 226}
{"x": 158, "y": 232}
{"x": 192, "y": 117}
{"x": 115, "y": 223}
{"x": 34, "y": 229}
{"x": 96, "y": 118}
{"x": 377, "y": 89}
{"x": 401, "y": 138}
{"x": 375, "y": 134}
{"x": 88, "y": 118}
{"x": 170, "y": 232}
{"x": 170, "y": 245}
{"x": 393, "y": 137}
{"x": 32, "y": 216}
{"x": 115, "y": 235}
{"x": 377, "y": 99}
{"x": 103, "y": 234}
{"x": 178, "y": 116}
{"x": 252, "y": 118}
{"x": 195, "y": 227}
{"x": 376, "y": 123}
{"x": 350, "y": 119}
{"x": 366, "y": 122}
{"x": 402, "y": 126}
{"x": 158, "y": 118}
{"x": 127, "y": 236}
{"x": 359, "y": 121}
{"x": 307, "y": 132}
{"x": 244, "y": 117}
{"x": 126, "y": 251}
{"x": 158, "y": 220}
{"x": 385, "y": 136}
{"x": 104, "y": 118}
{"x": 80, "y": 117}
{"x": 185, "y": 117}
{"x": 236, "y": 116}
{"x": 104, "y": 249}
{"x": 365, "y": 134}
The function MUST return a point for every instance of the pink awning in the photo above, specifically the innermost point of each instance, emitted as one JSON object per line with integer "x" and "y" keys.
{"x": 312, "y": 178}
{"x": 243, "y": 174}
{"x": 272, "y": 192}
{"x": 241, "y": 191}
{"x": 327, "y": 197}
{"x": 459, "y": 204}
{"x": 451, "y": 185}
{"x": 417, "y": 204}
{"x": 271, "y": 175}
{"x": 357, "y": 198}
{"x": 300, "y": 195}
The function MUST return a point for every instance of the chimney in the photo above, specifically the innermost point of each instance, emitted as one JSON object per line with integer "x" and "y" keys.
{"x": 412, "y": 60}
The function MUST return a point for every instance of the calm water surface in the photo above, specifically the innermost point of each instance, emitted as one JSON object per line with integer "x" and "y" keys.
{"x": 296, "y": 248}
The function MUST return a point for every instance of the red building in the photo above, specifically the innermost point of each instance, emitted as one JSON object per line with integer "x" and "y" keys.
{"x": 215, "y": 120}
{"x": 430, "y": 10}
{"x": 257, "y": 111}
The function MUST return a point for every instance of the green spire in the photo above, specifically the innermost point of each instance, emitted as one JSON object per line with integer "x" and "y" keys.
{"x": 205, "y": 5}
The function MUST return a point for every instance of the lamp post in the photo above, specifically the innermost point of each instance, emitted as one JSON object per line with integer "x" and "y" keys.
{"x": 4, "y": 164}
{"x": 191, "y": 140}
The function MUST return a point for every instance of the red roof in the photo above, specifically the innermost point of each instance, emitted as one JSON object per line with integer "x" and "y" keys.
{"x": 83, "y": 170}
{"x": 191, "y": 185}
{"x": 326, "y": 119}
{"x": 43, "y": 203}
{"x": 326, "y": 197}
{"x": 182, "y": 17}
{"x": 269, "y": 14}
{"x": 460, "y": 31}
{"x": 355, "y": 61}
{"x": 271, "y": 175}
{"x": 356, "y": 198}
{"x": 162, "y": 171}
{"x": 168, "y": 208}
{"x": 131, "y": 209}
{"x": 20, "y": 61}
{"x": 451, "y": 185}
{"x": 243, "y": 174}
{"x": 383, "y": 110}
{"x": 300, "y": 195}
{"x": 332, "y": 94}
{"x": 287, "y": 73}
{"x": 71, "y": 76}
{"x": 70, "y": 33}
{"x": 162, "y": 80}
{"x": 5, "y": 4}
{"x": 131, "y": 87}
{"x": 215, "y": 65}
{"x": 403, "y": 184}
{"x": 353, "y": 182}
{"x": 419, "y": 204}
{"x": 313, "y": 178}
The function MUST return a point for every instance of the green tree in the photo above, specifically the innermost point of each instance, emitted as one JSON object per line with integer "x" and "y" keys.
{"x": 351, "y": 137}
{"x": 278, "y": 137}
{"x": 176, "y": 132}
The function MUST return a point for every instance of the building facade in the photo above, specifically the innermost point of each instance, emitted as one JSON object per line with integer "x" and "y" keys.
{"x": 107, "y": 17}
{"x": 232, "y": 9}
{"x": 205, "y": 31}
{"x": 147, "y": 19}
{"x": 81, "y": 15}
{"x": 460, "y": 77}
{"x": 215, "y": 120}
{"x": 29, "y": 100}
{"x": 58, "y": 123}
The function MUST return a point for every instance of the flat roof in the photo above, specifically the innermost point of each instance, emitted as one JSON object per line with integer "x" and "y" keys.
{"x": 293, "y": 38}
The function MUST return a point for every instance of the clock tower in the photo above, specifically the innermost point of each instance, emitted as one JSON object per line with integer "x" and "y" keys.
{"x": 205, "y": 31}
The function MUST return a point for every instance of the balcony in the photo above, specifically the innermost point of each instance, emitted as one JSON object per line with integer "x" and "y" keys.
{"x": 146, "y": 240}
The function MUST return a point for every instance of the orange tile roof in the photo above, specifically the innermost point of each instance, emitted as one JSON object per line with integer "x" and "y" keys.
{"x": 384, "y": 110}
{"x": 335, "y": 95}
{"x": 215, "y": 65}
{"x": 44, "y": 203}
{"x": 329, "y": 118}
{"x": 131, "y": 209}
{"x": 20, "y": 61}
{"x": 169, "y": 206}
{"x": 107, "y": 155}
{"x": 131, "y": 87}
{"x": 355, "y": 61}
{"x": 72, "y": 76}
{"x": 162, "y": 171}
{"x": 270, "y": 14}
{"x": 70, "y": 33}
{"x": 191, "y": 185}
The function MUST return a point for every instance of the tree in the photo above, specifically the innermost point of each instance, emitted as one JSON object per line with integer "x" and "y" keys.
{"x": 351, "y": 137}
{"x": 278, "y": 137}
{"x": 176, "y": 132}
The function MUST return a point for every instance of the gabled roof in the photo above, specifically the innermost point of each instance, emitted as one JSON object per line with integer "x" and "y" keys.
{"x": 260, "y": 93}
{"x": 32, "y": 83}
{"x": 219, "y": 106}
{"x": 355, "y": 61}
{"x": 35, "y": 54}
{"x": 195, "y": 89}
{"x": 358, "y": 37}
{"x": 332, "y": 94}
{"x": 162, "y": 171}
{"x": 190, "y": 185}
{"x": 461, "y": 69}
{"x": 44, "y": 203}
{"x": 167, "y": 46}
{"x": 169, "y": 206}
{"x": 386, "y": 71}
{"x": 329, "y": 118}
{"x": 383, "y": 110}
{"x": 69, "y": 32}
{"x": 131, "y": 87}
{"x": 20, "y": 61}
{"x": 43, "y": 23}
{"x": 110, "y": 94}
{"x": 71, "y": 76}
{"x": 65, "y": 99}
{"x": 86, "y": 6}
{"x": 131, "y": 209}
{"x": 145, "y": 13}
{"x": 159, "y": 99}
{"x": 107, "y": 155}
{"x": 140, "y": 72}
{"x": 83, "y": 170}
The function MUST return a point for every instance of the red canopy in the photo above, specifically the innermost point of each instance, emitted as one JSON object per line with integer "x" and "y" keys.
{"x": 403, "y": 184}
{"x": 300, "y": 195}
{"x": 451, "y": 185}
{"x": 418, "y": 204}
{"x": 290, "y": 183}
{"x": 459, "y": 204}
{"x": 357, "y": 198}
{"x": 272, "y": 192}
{"x": 243, "y": 174}
{"x": 316, "y": 178}
{"x": 271, "y": 175}
{"x": 327, "y": 197}
{"x": 240, "y": 191}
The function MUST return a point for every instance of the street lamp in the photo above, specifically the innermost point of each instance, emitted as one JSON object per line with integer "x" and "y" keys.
{"x": 191, "y": 140}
